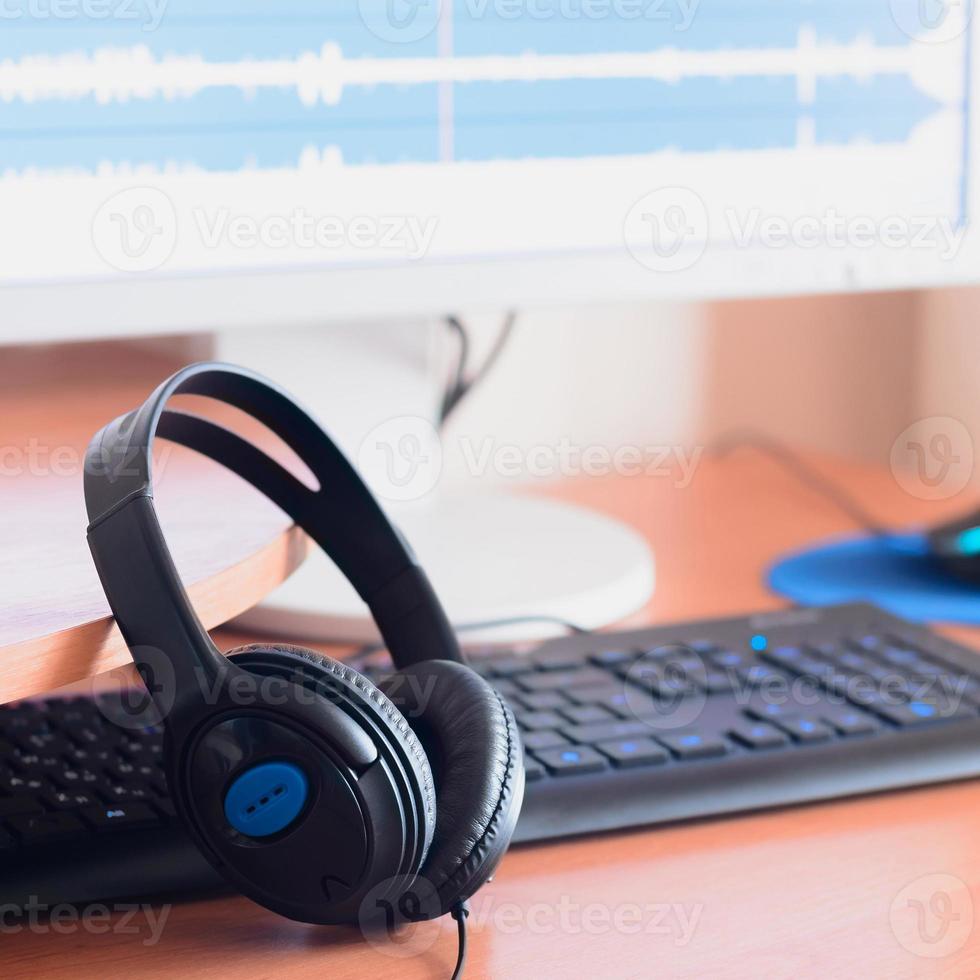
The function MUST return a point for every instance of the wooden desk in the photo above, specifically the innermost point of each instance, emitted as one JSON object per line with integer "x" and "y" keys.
{"x": 805, "y": 892}
{"x": 55, "y": 625}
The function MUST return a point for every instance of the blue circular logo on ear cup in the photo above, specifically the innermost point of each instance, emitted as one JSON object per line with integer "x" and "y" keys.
{"x": 266, "y": 799}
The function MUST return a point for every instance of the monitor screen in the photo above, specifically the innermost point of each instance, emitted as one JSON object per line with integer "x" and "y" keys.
{"x": 554, "y": 148}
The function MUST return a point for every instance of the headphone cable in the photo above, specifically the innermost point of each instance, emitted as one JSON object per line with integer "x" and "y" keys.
{"x": 460, "y": 912}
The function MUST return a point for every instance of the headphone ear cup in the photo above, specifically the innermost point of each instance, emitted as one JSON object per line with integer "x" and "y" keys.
{"x": 473, "y": 745}
{"x": 318, "y": 669}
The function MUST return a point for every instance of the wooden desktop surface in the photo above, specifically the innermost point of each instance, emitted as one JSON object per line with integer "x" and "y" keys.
{"x": 55, "y": 625}
{"x": 823, "y": 891}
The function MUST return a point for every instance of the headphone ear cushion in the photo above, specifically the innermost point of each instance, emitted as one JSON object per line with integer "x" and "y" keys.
{"x": 472, "y": 742}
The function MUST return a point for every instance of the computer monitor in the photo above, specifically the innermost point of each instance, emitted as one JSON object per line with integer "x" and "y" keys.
{"x": 208, "y": 165}
{"x": 194, "y": 164}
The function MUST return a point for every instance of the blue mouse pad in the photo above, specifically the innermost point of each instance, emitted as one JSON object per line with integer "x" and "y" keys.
{"x": 894, "y": 572}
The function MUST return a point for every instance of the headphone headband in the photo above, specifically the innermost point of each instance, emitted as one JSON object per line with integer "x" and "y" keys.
{"x": 147, "y": 597}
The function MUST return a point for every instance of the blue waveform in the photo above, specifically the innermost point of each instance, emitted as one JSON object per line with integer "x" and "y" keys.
{"x": 229, "y": 127}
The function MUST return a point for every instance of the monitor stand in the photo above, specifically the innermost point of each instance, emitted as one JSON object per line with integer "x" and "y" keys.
{"x": 492, "y": 554}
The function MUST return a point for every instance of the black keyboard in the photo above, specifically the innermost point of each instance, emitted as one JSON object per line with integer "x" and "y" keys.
{"x": 620, "y": 730}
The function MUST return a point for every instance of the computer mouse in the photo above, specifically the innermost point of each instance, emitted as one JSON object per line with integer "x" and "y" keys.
{"x": 957, "y": 545}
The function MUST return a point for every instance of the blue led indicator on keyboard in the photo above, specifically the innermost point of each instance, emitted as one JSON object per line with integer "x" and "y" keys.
{"x": 922, "y": 710}
{"x": 758, "y": 642}
{"x": 627, "y": 747}
{"x": 691, "y": 740}
{"x": 968, "y": 541}
{"x": 807, "y": 726}
{"x": 570, "y": 756}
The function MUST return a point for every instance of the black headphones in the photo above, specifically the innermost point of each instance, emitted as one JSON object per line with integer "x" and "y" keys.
{"x": 308, "y": 788}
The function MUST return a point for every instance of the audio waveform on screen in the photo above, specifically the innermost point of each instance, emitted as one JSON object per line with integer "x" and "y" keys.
{"x": 123, "y": 74}
{"x": 222, "y": 86}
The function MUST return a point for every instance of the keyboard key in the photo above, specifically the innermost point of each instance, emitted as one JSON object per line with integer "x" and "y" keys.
{"x": 36, "y": 828}
{"x": 557, "y": 660}
{"x": 612, "y": 658}
{"x": 541, "y": 700}
{"x": 573, "y": 760}
{"x": 558, "y": 680}
{"x": 720, "y": 681}
{"x": 19, "y": 804}
{"x": 692, "y": 745}
{"x": 533, "y": 770}
{"x": 731, "y": 658}
{"x": 18, "y": 784}
{"x": 773, "y": 710}
{"x": 539, "y": 719}
{"x": 508, "y": 666}
{"x": 899, "y": 656}
{"x": 759, "y": 736}
{"x": 74, "y": 778}
{"x": 760, "y": 675}
{"x": 851, "y": 722}
{"x": 505, "y": 687}
{"x": 587, "y": 714}
{"x": 122, "y": 792}
{"x": 702, "y": 646}
{"x": 544, "y": 739}
{"x": 922, "y": 712}
{"x": 119, "y": 816}
{"x": 634, "y": 752}
{"x": 784, "y": 655}
{"x": 611, "y": 697}
{"x": 663, "y": 679}
{"x": 605, "y": 731}
{"x": 63, "y": 800}
{"x": 806, "y": 729}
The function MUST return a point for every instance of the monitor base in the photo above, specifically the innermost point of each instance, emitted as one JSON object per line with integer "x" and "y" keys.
{"x": 491, "y": 556}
